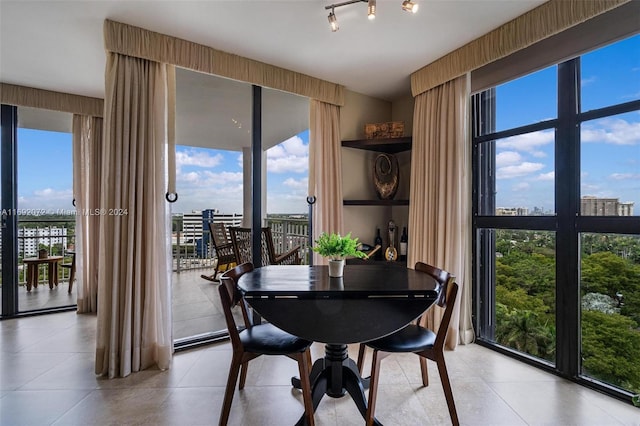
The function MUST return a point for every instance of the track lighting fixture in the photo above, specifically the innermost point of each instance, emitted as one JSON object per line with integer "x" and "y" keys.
{"x": 333, "y": 21}
{"x": 371, "y": 9}
{"x": 407, "y": 5}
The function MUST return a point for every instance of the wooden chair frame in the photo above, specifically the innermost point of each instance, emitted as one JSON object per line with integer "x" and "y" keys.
{"x": 435, "y": 353}
{"x": 241, "y": 241}
{"x": 230, "y": 296}
{"x": 224, "y": 250}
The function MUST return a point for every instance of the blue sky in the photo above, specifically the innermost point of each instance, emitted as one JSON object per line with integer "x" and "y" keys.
{"x": 206, "y": 178}
{"x": 610, "y": 149}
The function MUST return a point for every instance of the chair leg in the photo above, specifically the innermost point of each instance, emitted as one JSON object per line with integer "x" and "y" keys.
{"x": 361, "y": 352}
{"x": 373, "y": 388}
{"x": 236, "y": 361}
{"x": 72, "y": 277}
{"x": 304, "y": 366}
{"x": 425, "y": 372}
{"x": 446, "y": 386}
{"x": 243, "y": 375}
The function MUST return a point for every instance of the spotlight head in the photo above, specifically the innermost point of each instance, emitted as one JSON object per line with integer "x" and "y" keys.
{"x": 409, "y": 6}
{"x": 371, "y": 9}
{"x": 333, "y": 22}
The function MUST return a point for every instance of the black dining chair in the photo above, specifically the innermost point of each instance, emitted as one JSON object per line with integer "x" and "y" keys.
{"x": 419, "y": 340}
{"x": 256, "y": 340}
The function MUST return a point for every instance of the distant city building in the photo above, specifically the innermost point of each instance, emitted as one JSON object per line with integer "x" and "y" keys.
{"x": 512, "y": 211}
{"x": 195, "y": 228}
{"x": 595, "y": 206}
{"x": 625, "y": 209}
{"x": 30, "y": 239}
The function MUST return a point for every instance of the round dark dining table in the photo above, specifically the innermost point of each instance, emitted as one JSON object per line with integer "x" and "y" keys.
{"x": 370, "y": 301}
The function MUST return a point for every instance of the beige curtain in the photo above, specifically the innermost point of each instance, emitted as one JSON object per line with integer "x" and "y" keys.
{"x": 87, "y": 144}
{"x": 141, "y": 43}
{"x": 325, "y": 170}
{"x": 439, "y": 214}
{"x": 134, "y": 301}
{"x": 45, "y": 99}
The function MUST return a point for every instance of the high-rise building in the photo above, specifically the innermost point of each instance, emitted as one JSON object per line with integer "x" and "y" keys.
{"x": 596, "y": 206}
{"x": 512, "y": 211}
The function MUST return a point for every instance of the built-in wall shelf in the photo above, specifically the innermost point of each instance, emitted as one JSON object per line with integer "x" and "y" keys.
{"x": 375, "y": 202}
{"x": 388, "y": 145}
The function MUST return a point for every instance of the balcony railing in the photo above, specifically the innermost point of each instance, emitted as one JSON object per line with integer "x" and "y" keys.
{"x": 57, "y": 236}
{"x": 289, "y": 233}
{"x": 196, "y": 252}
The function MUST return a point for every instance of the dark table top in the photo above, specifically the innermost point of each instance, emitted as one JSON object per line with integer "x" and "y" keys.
{"x": 370, "y": 301}
{"x": 359, "y": 281}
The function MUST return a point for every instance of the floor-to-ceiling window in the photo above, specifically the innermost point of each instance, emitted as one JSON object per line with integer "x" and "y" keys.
{"x": 556, "y": 216}
{"x": 39, "y": 225}
{"x": 214, "y": 137}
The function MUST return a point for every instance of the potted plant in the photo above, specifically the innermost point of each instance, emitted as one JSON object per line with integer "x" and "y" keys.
{"x": 337, "y": 248}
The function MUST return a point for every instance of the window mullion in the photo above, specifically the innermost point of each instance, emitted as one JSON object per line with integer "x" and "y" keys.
{"x": 567, "y": 194}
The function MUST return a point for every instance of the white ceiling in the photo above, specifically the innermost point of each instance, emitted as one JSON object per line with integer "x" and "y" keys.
{"x": 57, "y": 45}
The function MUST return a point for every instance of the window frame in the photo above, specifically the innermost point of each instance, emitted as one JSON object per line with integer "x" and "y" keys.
{"x": 566, "y": 223}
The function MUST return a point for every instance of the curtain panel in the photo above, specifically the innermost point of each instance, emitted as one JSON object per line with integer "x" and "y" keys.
{"x": 439, "y": 213}
{"x": 87, "y": 146}
{"x": 325, "y": 170}
{"x": 544, "y": 21}
{"x": 134, "y": 300}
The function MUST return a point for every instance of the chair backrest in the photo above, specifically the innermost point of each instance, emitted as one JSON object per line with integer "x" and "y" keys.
{"x": 231, "y": 296}
{"x": 219, "y": 234}
{"x": 439, "y": 275}
{"x": 267, "y": 244}
{"x": 242, "y": 245}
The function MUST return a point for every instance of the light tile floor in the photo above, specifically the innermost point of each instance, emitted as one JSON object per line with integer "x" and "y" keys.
{"x": 46, "y": 377}
{"x": 195, "y": 302}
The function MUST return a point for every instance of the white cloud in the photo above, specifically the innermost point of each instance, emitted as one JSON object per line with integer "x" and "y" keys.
{"x": 508, "y": 158}
{"x": 519, "y": 170}
{"x": 587, "y": 81}
{"x": 520, "y": 186}
{"x": 625, "y": 176}
{"x": 48, "y": 199}
{"x": 53, "y": 193}
{"x": 529, "y": 142}
{"x": 198, "y": 159}
{"x": 226, "y": 199}
{"x": 297, "y": 183}
{"x": 291, "y": 156}
{"x": 614, "y": 131}
{"x": 206, "y": 178}
{"x": 589, "y": 188}
{"x": 546, "y": 176}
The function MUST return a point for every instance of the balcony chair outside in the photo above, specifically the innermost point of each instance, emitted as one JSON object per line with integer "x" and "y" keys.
{"x": 241, "y": 240}
{"x": 223, "y": 248}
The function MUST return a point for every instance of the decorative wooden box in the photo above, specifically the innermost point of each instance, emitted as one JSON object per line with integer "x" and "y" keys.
{"x": 391, "y": 129}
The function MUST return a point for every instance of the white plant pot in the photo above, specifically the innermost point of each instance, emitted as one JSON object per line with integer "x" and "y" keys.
{"x": 336, "y": 268}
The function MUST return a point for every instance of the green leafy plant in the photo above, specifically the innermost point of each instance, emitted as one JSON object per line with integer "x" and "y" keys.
{"x": 636, "y": 400}
{"x": 336, "y": 247}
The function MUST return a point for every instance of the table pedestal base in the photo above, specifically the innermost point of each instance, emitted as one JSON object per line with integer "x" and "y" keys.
{"x": 336, "y": 375}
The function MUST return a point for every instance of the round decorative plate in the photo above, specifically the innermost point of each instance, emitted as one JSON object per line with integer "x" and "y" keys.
{"x": 386, "y": 176}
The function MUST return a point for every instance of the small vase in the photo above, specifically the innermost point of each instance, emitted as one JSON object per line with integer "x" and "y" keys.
{"x": 336, "y": 268}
